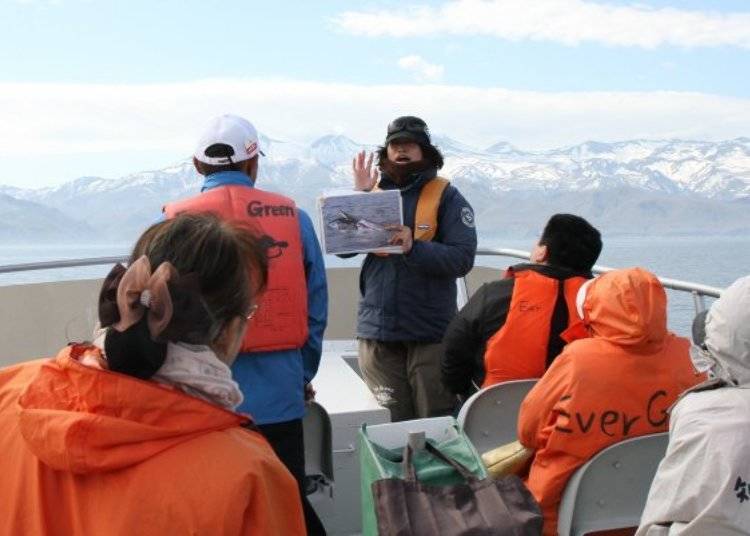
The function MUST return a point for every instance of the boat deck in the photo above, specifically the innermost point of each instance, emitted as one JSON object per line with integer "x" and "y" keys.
{"x": 38, "y": 319}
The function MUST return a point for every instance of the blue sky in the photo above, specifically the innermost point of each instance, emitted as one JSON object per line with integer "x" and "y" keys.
{"x": 106, "y": 88}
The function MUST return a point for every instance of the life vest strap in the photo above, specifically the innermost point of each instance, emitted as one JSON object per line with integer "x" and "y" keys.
{"x": 426, "y": 217}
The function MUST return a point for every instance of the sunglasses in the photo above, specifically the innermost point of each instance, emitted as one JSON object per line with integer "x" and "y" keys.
{"x": 409, "y": 124}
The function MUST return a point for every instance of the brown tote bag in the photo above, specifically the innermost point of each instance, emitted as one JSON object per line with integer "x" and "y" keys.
{"x": 406, "y": 507}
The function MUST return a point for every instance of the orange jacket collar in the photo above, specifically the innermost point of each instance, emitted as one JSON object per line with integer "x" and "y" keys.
{"x": 83, "y": 419}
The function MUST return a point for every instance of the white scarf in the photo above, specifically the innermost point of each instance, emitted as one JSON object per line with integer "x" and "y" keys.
{"x": 195, "y": 370}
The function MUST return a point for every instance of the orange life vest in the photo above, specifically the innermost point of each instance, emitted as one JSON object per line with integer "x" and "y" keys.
{"x": 281, "y": 320}
{"x": 518, "y": 350}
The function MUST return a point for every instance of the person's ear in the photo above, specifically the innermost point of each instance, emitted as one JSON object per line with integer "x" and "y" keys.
{"x": 544, "y": 253}
{"x": 250, "y": 168}
{"x": 540, "y": 254}
{"x": 197, "y": 165}
{"x": 227, "y": 344}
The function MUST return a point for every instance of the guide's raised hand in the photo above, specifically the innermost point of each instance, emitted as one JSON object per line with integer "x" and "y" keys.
{"x": 365, "y": 176}
{"x": 401, "y": 236}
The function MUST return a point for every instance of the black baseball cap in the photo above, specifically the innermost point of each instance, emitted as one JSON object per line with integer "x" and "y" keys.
{"x": 408, "y": 128}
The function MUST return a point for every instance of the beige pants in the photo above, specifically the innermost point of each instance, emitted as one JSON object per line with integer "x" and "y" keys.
{"x": 405, "y": 378}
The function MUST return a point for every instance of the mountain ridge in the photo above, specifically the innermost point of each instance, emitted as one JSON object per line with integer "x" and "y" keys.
{"x": 670, "y": 176}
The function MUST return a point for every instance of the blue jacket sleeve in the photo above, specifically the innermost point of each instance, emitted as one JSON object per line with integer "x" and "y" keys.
{"x": 451, "y": 253}
{"x": 317, "y": 296}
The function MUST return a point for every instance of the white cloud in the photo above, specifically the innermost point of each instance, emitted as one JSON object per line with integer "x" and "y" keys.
{"x": 75, "y": 122}
{"x": 421, "y": 68}
{"x": 39, "y": 2}
{"x": 570, "y": 22}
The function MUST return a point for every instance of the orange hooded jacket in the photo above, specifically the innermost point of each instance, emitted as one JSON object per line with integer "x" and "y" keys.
{"x": 601, "y": 390}
{"x": 89, "y": 451}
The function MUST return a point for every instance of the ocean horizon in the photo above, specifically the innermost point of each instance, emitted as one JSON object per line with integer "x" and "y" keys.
{"x": 709, "y": 260}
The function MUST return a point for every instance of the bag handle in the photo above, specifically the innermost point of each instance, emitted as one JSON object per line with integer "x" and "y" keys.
{"x": 410, "y": 471}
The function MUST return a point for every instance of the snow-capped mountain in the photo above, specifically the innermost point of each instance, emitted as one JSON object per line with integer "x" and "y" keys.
{"x": 333, "y": 150}
{"x": 669, "y": 185}
{"x": 714, "y": 170}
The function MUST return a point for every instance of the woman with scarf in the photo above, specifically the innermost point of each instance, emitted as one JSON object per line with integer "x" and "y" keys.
{"x": 136, "y": 432}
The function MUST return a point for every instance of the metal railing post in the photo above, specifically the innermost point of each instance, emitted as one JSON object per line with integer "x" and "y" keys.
{"x": 698, "y": 301}
{"x": 463, "y": 292}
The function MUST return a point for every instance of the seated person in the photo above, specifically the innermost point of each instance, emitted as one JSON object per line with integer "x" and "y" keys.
{"x": 510, "y": 329}
{"x": 614, "y": 385}
{"x": 136, "y": 433}
{"x": 701, "y": 486}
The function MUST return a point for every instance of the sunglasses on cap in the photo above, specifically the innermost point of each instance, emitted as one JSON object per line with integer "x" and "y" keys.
{"x": 407, "y": 123}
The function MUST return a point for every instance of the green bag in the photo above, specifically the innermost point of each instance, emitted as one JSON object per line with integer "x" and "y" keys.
{"x": 378, "y": 461}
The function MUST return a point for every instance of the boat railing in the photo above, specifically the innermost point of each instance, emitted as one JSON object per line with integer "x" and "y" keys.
{"x": 65, "y": 263}
{"x": 697, "y": 290}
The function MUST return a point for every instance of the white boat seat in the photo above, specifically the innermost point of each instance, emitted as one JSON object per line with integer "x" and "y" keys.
{"x": 394, "y": 435}
{"x": 316, "y": 427}
{"x": 610, "y": 491}
{"x": 489, "y": 418}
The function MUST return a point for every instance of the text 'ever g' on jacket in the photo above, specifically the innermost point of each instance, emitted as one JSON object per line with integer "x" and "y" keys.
{"x": 615, "y": 385}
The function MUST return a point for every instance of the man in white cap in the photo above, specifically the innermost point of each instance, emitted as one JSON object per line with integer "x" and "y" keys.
{"x": 281, "y": 349}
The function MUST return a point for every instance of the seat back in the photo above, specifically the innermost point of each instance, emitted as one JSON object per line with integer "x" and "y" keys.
{"x": 489, "y": 417}
{"x": 610, "y": 491}
{"x": 392, "y": 435}
{"x": 316, "y": 428}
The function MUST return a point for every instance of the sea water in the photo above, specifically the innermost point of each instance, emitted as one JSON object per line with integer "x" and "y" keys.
{"x": 708, "y": 260}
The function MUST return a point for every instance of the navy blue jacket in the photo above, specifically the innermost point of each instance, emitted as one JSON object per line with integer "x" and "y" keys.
{"x": 413, "y": 297}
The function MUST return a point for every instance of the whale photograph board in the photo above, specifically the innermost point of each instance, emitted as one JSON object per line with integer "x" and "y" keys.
{"x": 358, "y": 222}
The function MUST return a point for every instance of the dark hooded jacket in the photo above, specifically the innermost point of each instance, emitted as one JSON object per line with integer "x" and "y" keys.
{"x": 412, "y": 297}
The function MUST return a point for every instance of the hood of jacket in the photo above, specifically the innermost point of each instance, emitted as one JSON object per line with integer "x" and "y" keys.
{"x": 82, "y": 419}
{"x": 728, "y": 332}
{"x": 627, "y": 308}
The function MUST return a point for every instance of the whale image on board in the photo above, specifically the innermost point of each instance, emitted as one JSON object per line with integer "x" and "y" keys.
{"x": 358, "y": 222}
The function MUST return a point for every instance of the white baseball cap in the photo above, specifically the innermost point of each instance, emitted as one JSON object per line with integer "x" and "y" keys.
{"x": 227, "y": 139}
